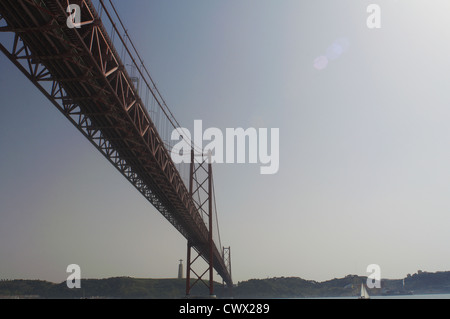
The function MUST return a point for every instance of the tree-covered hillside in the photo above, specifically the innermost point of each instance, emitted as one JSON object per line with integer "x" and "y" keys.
{"x": 284, "y": 287}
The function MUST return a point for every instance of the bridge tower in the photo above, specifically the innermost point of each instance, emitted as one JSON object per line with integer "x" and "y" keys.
{"x": 200, "y": 175}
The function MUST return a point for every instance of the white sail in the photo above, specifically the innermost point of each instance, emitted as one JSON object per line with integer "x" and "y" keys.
{"x": 364, "y": 293}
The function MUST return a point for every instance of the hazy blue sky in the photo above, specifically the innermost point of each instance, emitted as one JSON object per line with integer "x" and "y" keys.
{"x": 364, "y": 157}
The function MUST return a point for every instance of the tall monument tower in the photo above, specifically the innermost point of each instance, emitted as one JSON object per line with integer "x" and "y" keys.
{"x": 180, "y": 269}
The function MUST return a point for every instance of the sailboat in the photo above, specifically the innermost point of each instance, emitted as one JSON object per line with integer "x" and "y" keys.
{"x": 364, "y": 293}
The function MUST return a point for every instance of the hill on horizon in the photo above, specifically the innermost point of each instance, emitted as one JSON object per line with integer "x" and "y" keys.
{"x": 282, "y": 287}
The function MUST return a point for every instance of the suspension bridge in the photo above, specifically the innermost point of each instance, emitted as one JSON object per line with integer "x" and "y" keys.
{"x": 85, "y": 62}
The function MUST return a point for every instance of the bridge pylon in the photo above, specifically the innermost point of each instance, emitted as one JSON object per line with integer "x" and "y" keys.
{"x": 226, "y": 255}
{"x": 200, "y": 175}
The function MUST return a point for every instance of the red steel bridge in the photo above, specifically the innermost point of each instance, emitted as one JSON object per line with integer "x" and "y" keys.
{"x": 99, "y": 82}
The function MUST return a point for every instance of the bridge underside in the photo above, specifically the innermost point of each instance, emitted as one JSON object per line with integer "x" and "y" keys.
{"x": 80, "y": 72}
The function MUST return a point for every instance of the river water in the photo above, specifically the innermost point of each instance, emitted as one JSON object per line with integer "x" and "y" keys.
{"x": 427, "y": 296}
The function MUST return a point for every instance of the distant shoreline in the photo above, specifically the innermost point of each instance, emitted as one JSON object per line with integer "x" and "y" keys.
{"x": 421, "y": 283}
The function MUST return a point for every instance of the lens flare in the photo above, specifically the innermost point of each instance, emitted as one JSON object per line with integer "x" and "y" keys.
{"x": 334, "y": 52}
{"x": 321, "y": 63}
